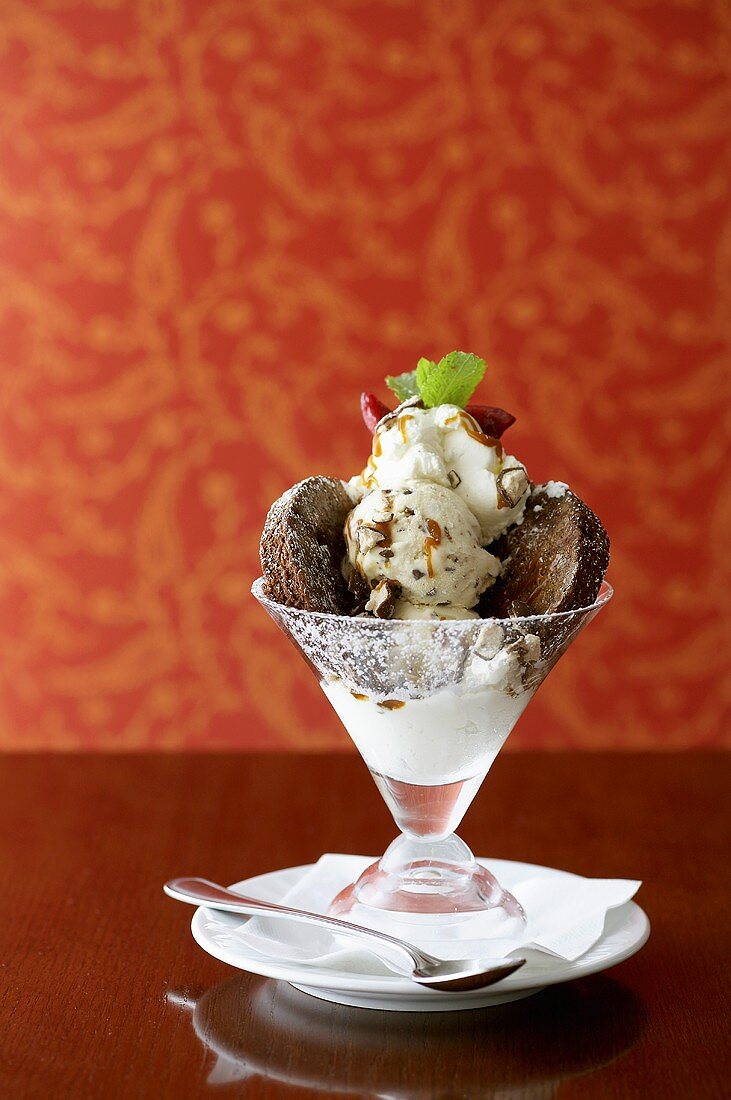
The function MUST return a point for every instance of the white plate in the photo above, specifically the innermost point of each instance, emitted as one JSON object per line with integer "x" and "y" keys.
{"x": 626, "y": 930}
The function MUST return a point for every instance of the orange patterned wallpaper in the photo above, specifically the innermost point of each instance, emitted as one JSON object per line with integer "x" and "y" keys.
{"x": 220, "y": 220}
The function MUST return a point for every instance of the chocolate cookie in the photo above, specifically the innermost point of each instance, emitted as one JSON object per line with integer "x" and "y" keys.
{"x": 554, "y": 561}
{"x": 302, "y": 547}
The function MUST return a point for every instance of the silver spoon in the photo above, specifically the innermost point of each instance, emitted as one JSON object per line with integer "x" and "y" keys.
{"x": 453, "y": 975}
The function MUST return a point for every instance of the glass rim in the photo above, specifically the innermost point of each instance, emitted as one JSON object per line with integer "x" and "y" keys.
{"x": 606, "y": 591}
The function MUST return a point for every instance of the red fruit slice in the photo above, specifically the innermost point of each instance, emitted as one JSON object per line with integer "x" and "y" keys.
{"x": 492, "y": 421}
{"x": 372, "y": 410}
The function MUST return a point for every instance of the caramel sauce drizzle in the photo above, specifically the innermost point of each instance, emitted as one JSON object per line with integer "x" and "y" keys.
{"x": 377, "y": 445}
{"x": 434, "y": 540}
{"x": 392, "y": 704}
{"x": 384, "y": 526}
{"x": 475, "y": 432}
{"x": 369, "y": 474}
{"x": 358, "y": 696}
{"x": 402, "y": 422}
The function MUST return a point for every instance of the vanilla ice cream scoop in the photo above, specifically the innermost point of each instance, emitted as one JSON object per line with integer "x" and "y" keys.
{"x": 423, "y": 537}
{"x": 445, "y": 446}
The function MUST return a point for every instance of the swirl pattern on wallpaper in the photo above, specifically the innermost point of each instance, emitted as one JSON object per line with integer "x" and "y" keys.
{"x": 220, "y": 221}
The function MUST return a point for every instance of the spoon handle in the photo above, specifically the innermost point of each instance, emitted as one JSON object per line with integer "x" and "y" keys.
{"x": 199, "y": 891}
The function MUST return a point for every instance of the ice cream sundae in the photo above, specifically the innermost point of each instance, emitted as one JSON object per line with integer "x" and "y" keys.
{"x": 431, "y": 592}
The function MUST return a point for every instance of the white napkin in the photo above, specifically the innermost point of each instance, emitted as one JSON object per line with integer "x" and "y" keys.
{"x": 566, "y": 916}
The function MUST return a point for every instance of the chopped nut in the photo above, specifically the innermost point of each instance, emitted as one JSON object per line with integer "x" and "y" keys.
{"x": 369, "y": 538}
{"x": 531, "y": 646}
{"x": 358, "y": 586}
{"x": 490, "y": 641}
{"x": 417, "y": 573}
{"x": 454, "y": 478}
{"x": 511, "y": 484}
{"x": 383, "y": 599}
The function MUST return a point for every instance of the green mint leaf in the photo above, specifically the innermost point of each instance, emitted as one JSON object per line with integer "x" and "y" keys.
{"x": 424, "y": 370}
{"x": 451, "y": 381}
{"x": 403, "y": 385}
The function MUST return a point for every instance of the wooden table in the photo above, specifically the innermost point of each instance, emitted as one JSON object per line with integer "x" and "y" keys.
{"x": 104, "y": 993}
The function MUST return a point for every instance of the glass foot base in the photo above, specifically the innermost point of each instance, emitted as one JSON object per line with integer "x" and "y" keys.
{"x": 417, "y": 876}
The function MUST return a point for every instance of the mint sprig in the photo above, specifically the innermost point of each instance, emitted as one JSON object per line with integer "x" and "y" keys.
{"x": 403, "y": 385}
{"x": 451, "y": 381}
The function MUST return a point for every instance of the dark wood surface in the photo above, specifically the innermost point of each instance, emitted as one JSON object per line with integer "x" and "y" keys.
{"x": 104, "y": 993}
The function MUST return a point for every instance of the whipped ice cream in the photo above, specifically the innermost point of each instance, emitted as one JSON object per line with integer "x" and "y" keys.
{"x": 446, "y": 446}
{"x": 443, "y": 738}
{"x": 455, "y": 732}
{"x": 436, "y": 490}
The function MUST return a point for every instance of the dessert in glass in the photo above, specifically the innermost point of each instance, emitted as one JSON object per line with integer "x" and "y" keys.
{"x": 431, "y": 595}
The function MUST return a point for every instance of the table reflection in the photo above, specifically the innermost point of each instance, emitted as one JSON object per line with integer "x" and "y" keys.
{"x": 259, "y": 1027}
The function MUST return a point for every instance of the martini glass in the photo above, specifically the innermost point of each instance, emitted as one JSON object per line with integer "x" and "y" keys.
{"x": 429, "y": 705}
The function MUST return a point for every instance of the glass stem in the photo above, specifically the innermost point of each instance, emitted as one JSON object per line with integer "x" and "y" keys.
{"x": 410, "y": 854}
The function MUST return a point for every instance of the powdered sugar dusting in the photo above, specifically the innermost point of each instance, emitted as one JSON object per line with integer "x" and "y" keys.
{"x": 394, "y": 659}
{"x": 553, "y": 489}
